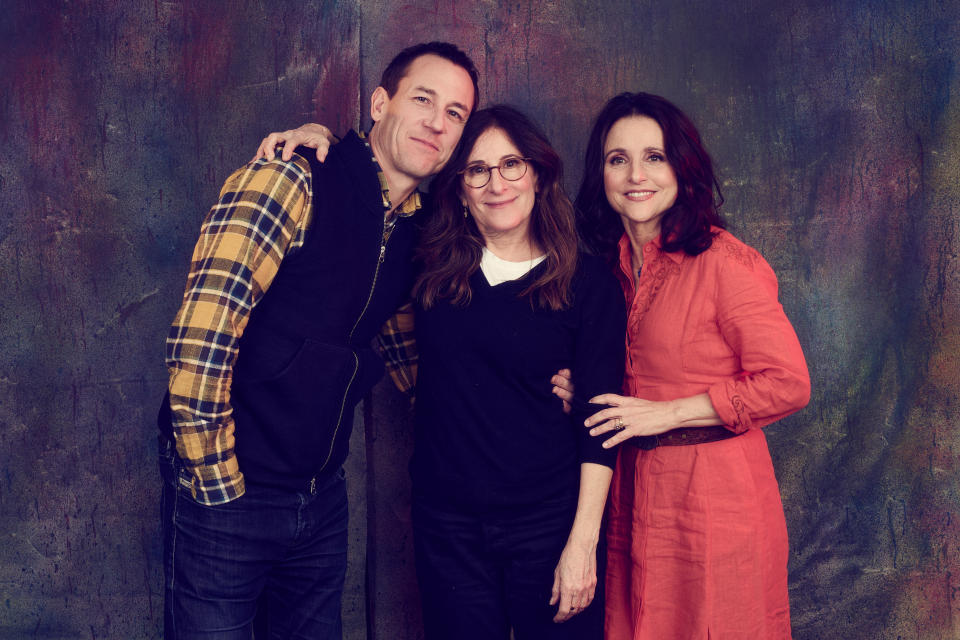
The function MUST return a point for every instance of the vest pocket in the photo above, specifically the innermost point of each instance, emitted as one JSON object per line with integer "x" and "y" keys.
{"x": 286, "y": 420}
{"x": 315, "y": 376}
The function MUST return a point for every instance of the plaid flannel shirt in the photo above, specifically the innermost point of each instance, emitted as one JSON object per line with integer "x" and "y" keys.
{"x": 398, "y": 347}
{"x": 263, "y": 214}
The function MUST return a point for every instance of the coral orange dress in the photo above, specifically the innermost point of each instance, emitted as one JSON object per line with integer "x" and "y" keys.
{"x": 696, "y": 535}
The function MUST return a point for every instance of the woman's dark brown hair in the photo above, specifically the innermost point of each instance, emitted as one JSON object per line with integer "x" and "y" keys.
{"x": 451, "y": 245}
{"x": 686, "y": 226}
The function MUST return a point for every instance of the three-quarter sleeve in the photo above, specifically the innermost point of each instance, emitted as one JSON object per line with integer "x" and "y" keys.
{"x": 599, "y": 354}
{"x": 774, "y": 381}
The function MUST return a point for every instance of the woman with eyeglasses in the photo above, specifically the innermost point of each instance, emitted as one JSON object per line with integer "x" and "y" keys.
{"x": 508, "y": 489}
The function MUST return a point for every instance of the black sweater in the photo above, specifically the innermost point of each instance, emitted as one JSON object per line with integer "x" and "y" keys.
{"x": 489, "y": 432}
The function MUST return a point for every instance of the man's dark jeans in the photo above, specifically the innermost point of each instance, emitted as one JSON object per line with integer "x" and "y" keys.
{"x": 286, "y": 549}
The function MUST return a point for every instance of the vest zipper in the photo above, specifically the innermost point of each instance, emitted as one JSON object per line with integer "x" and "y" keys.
{"x": 356, "y": 361}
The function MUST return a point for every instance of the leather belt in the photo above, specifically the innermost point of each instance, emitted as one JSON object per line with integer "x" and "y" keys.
{"x": 682, "y": 436}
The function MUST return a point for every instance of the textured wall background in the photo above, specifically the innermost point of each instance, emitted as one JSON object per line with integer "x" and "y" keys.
{"x": 834, "y": 126}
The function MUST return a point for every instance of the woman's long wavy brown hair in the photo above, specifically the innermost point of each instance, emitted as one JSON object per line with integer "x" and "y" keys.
{"x": 451, "y": 245}
{"x": 688, "y": 224}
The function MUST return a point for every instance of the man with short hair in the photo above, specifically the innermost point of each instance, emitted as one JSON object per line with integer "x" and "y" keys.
{"x": 297, "y": 267}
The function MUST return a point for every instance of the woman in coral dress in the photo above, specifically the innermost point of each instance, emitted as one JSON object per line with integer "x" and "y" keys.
{"x": 697, "y": 541}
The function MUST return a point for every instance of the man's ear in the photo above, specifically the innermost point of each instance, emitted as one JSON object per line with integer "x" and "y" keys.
{"x": 378, "y": 103}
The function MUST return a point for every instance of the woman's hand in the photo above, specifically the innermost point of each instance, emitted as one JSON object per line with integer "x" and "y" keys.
{"x": 574, "y": 579}
{"x": 627, "y": 417}
{"x": 315, "y": 136}
{"x": 563, "y": 387}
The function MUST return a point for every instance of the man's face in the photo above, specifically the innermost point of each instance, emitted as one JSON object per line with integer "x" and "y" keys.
{"x": 417, "y": 129}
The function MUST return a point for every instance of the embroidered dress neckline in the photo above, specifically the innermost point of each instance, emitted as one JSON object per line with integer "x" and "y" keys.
{"x": 658, "y": 267}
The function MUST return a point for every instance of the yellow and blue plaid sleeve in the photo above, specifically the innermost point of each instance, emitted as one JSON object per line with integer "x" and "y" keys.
{"x": 398, "y": 347}
{"x": 262, "y": 214}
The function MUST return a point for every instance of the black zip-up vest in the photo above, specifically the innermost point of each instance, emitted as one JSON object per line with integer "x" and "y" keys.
{"x": 305, "y": 358}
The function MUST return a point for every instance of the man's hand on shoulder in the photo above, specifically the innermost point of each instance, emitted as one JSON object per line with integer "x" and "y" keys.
{"x": 315, "y": 136}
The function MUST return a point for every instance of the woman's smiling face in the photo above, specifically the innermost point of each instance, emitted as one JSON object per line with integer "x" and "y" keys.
{"x": 501, "y": 207}
{"x": 639, "y": 183}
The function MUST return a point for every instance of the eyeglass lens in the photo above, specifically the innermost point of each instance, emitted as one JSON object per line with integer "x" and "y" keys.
{"x": 478, "y": 175}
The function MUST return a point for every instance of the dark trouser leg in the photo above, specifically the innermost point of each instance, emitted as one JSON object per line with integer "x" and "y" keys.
{"x": 480, "y": 576}
{"x": 216, "y": 560}
{"x": 461, "y": 586}
{"x": 531, "y": 541}
{"x": 304, "y": 590}
{"x": 219, "y": 559}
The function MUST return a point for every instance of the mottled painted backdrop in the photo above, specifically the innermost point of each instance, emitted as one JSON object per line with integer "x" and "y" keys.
{"x": 834, "y": 125}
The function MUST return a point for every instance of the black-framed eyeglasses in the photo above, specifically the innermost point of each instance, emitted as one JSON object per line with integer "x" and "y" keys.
{"x": 510, "y": 168}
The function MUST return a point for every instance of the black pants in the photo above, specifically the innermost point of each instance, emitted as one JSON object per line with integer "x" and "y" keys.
{"x": 481, "y": 575}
